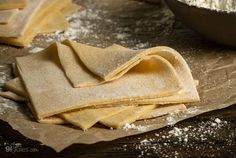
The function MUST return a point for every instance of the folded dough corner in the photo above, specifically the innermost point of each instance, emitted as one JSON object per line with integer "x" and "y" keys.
{"x": 25, "y": 19}
{"x": 83, "y": 85}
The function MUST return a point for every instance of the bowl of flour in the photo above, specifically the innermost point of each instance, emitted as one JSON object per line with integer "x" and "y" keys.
{"x": 213, "y": 19}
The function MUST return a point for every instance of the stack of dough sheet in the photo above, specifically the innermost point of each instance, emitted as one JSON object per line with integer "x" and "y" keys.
{"x": 73, "y": 83}
{"x": 22, "y": 20}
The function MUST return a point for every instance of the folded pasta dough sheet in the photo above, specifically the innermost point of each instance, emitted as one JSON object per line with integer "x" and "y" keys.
{"x": 12, "y": 4}
{"x": 16, "y": 86}
{"x": 58, "y": 22}
{"x": 127, "y": 116}
{"x": 7, "y": 15}
{"x": 90, "y": 59}
{"x": 163, "y": 110}
{"x": 12, "y": 96}
{"x": 87, "y": 117}
{"x": 43, "y": 70}
{"x": 70, "y": 8}
{"x": 20, "y": 23}
{"x": 48, "y": 19}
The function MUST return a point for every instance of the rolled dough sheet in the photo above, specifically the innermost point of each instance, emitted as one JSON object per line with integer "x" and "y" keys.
{"x": 58, "y": 22}
{"x": 70, "y": 9}
{"x": 88, "y": 117}
{"x": 43, "y": 70}
{"x": 163, "y": 110}
{"x": 7, "y": 15}
{"x": 53, "y": 120}
{"x": 20, "y": 23}
{"x": 12, "y": 96}
{"x": 74, "y": 69}
{"x": 90, "y": 59}
{"x": 49, "y": 19}
{"x": 86, "y": 54}
{"x": 127, "y": 116}
{"x": 94, "y": 59}
{"x": 158, "y": 111}
{"x": 49, "y": 120}
{"x": 189, "y": 92}
{"x": 12, "y": 4}
{"x": 16, "y": 86}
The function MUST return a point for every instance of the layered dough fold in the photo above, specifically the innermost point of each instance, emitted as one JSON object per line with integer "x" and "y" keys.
{"x": 74, "y": 83}
{"x": 19, "y": 27}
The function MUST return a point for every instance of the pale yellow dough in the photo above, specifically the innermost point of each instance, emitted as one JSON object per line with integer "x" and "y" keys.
{"x": 53, "y": 120}
{"x": 43, "y": 70}
{"x": 90, "y": 59}
{"x": 48, "y": 19}
{"x": 16, "y": 86}
{"x": 7, "y": 15}
{"x": 70, "y": 9}
{"x": 152, "y": 77}
{"x": 12, "y": 96}
{"x": 86, "y": 118}
{"x": 127, "y": 116}
{"x": 12, "y": 4}
{"x": 163, "y": 110}
{"x": 20, "y": 23}
{"x": 92, "y": 114}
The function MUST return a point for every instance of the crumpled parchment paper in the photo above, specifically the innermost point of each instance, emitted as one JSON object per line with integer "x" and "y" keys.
{"x": 216, "y": 73}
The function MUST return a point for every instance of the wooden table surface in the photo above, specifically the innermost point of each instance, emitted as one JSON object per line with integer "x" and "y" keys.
{"x": 135, "y": 24}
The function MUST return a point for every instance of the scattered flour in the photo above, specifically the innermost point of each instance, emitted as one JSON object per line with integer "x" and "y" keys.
{"x": 134, "y": 127}
{"x": 142, "y": 45}
{"x": 2, "y": 78}
{"x": 161, "y": 144}
{"x": 122, "y": 36}
{"x": 5, "y": 104}
{"x": 219, "y": 5}
{"x": 36, "y": 50}
{"x": 80, "y": 26}
{"x": 90, "y": 26}
{"x": 192, "y": 110}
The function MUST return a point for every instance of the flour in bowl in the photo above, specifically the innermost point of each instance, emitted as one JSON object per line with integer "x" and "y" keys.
{"x": 219, "y": 5}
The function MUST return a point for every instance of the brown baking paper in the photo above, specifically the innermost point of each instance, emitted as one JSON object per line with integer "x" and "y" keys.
{"x": 216, "y": 73}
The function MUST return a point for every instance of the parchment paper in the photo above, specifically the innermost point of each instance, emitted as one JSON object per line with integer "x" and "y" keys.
{"x": 217, "y": 77}
{"x": 214, "y": 67}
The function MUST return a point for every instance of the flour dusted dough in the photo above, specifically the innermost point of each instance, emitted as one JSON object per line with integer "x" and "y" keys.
{"x": 122, "y": 60}
{"x": 108, "y": 64}
{"x": 53, "y": 120}
{"x": 127, "y": 116}
{"x": 20, "y": 23}
{"x": 12, "y": 4}
{"x": 16, "y": 86}
{"x": 189, "y": 92}
{"x": 7, "y": 15}
{"x": 58, "y": 21}
{"x": 103, "y": 62}
{"x": 50, "y": 18}
{"x": 75, "y": 70}
{"x": 92, "y": 114}
{"x": 55, "y": 22}
{"x": 43, "y": 70}
{"x": 86, "y": 118}
{"x": 12, "y": 96}
{"x": 163, "y": 110}
{"x": 70, "y": 9}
